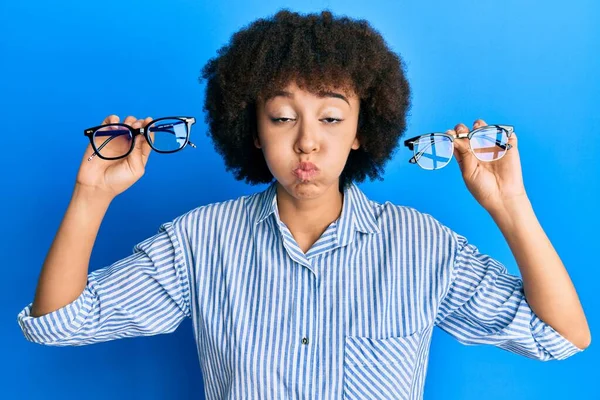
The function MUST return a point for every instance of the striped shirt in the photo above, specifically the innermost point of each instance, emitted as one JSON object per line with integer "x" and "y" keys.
{"x": 351, "y": 318}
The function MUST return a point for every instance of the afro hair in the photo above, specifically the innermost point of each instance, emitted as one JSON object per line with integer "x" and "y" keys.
{"x": 317, "y": 51}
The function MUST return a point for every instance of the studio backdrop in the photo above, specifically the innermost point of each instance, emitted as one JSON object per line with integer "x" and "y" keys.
{"x": 66, "y": 65}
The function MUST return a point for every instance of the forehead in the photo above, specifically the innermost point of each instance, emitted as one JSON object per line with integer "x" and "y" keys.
{"x": 294, "y": 92}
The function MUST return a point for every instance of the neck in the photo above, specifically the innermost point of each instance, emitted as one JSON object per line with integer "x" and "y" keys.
{"x": 309, "y": 217}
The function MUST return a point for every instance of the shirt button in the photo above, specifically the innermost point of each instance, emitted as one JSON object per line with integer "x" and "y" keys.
{"x": 304, "y": 340}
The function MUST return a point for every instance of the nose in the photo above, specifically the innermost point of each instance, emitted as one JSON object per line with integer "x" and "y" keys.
{"x": 307, "y": 140}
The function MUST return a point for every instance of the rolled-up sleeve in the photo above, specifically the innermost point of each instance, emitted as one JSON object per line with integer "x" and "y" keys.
{"x": 146, "y": 293}
{"x": 486, "y": 305}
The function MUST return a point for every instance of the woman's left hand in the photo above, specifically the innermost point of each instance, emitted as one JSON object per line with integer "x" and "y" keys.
{"x": 492, "y": 183}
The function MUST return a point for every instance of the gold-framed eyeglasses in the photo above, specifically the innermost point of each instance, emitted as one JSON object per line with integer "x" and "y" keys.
{"x": 434, "y": 150}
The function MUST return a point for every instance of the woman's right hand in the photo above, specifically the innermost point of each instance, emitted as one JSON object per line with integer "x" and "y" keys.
{"x": 112, "y": 177}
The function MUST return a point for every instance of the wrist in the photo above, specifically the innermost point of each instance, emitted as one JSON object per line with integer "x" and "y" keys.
{"x": 91, "y": 195}
{"x": 512, "y": 210}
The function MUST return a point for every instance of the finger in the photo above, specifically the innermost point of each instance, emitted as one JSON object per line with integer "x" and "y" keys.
{"x": 479, "y": 123}
{"x": 455, "y": 143}
{"x": 130, "y": 120}
{"x": 451, "y": 132}
{"x": 461, "y": 128}
{"x": 146, "y": 148}
{"x": 150, "y": 134}
{"x": 513, "y": 139}
{"x": 460, "y": 147}
{"x": 147, "y": 121}
{"x": 111, "y": 119}
{"x": 134, "y": 158}
{"x": 137, "y": 123}
{"x": 461, "y": 144}
{"x": 142, "y": 149}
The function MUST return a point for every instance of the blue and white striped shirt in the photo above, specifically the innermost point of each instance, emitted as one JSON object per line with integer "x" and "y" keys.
{"x": 352, "y": 318}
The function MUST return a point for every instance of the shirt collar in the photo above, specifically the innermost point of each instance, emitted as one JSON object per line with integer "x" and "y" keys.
{"x": 356, "y": 213}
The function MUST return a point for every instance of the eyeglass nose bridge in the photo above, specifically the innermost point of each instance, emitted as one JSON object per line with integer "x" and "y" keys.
{"x": 461, "y": 135}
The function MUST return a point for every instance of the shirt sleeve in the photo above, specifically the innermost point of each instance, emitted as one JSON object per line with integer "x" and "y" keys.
{"x": 486, "y": 305}
{"x": 146, "y": 293}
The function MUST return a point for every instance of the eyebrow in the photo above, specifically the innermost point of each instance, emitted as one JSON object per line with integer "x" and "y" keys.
{"x": 320, "y": 94}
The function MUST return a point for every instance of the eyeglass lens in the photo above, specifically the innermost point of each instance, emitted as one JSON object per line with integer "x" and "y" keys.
{"x": 113, "y": 141}
{"x": 434, "y": 151}
{"x": 490, "y": 143}
{"x": 168, "y": 134}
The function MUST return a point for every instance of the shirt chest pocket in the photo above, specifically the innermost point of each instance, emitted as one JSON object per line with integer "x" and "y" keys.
{"x": 380, "y": 368}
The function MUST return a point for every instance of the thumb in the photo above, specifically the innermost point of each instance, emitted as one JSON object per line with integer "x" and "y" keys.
{"x": 459, "y": 145}
{"x": 136, "y": 158}
{"x": 143, "y": 150}
{"x": 144, "y": 147}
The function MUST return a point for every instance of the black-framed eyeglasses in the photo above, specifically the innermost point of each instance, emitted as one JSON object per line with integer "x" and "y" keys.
{"x": 434, "y": 150}
{"x": 164, "y": 135}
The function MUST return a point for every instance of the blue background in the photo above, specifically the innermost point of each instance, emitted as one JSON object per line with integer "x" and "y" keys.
{"x": 66, "y": 65}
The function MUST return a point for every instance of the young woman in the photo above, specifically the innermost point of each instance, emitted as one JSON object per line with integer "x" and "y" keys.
{"x": 308, "y": 289}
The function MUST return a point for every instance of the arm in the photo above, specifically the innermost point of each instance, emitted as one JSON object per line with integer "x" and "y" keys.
{"x": 64, "y": 273}
{"x": 484, "y": 304}
{"x": 484, "y": 292}
{"x": 146, "y": 293}
{"x": 547, "y": 286}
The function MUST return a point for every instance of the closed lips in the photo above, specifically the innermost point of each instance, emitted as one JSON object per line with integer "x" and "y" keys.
{"x": 306, "y": 166}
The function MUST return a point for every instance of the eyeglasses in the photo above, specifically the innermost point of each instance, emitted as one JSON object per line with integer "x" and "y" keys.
{"x": 434, "y": 150}
{"x": 164, "y": 135}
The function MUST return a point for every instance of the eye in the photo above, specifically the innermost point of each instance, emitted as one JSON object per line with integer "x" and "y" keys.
{"x": 332, "y": 121}
{"x": 281, "y": 120}
{"x": 329, "y": 121}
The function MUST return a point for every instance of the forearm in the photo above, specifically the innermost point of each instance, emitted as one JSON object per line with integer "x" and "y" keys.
{"x": 547, "y": 285}
{"x": 64, "y": 274}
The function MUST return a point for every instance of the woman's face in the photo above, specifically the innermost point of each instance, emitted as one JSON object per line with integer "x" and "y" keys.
{"x": 296, "y": 127}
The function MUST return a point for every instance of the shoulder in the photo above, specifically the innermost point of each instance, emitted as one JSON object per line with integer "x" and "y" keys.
{"x": 412, "y": 224}
{"x": 205, "y": 223}
{"x": 212, "y": 217}
{"x": 214, "y": 212}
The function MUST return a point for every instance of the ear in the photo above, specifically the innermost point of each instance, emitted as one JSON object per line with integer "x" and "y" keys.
{"x": 355, "y": 144}
{"x": 257, "y": 142}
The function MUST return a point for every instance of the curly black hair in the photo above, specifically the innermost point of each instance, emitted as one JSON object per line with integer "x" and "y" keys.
{"x": 317, "y": 51}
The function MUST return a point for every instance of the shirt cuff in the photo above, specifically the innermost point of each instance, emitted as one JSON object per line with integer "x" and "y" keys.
{"x": 552, "y": 341}
{"x": 57, "y": 326}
